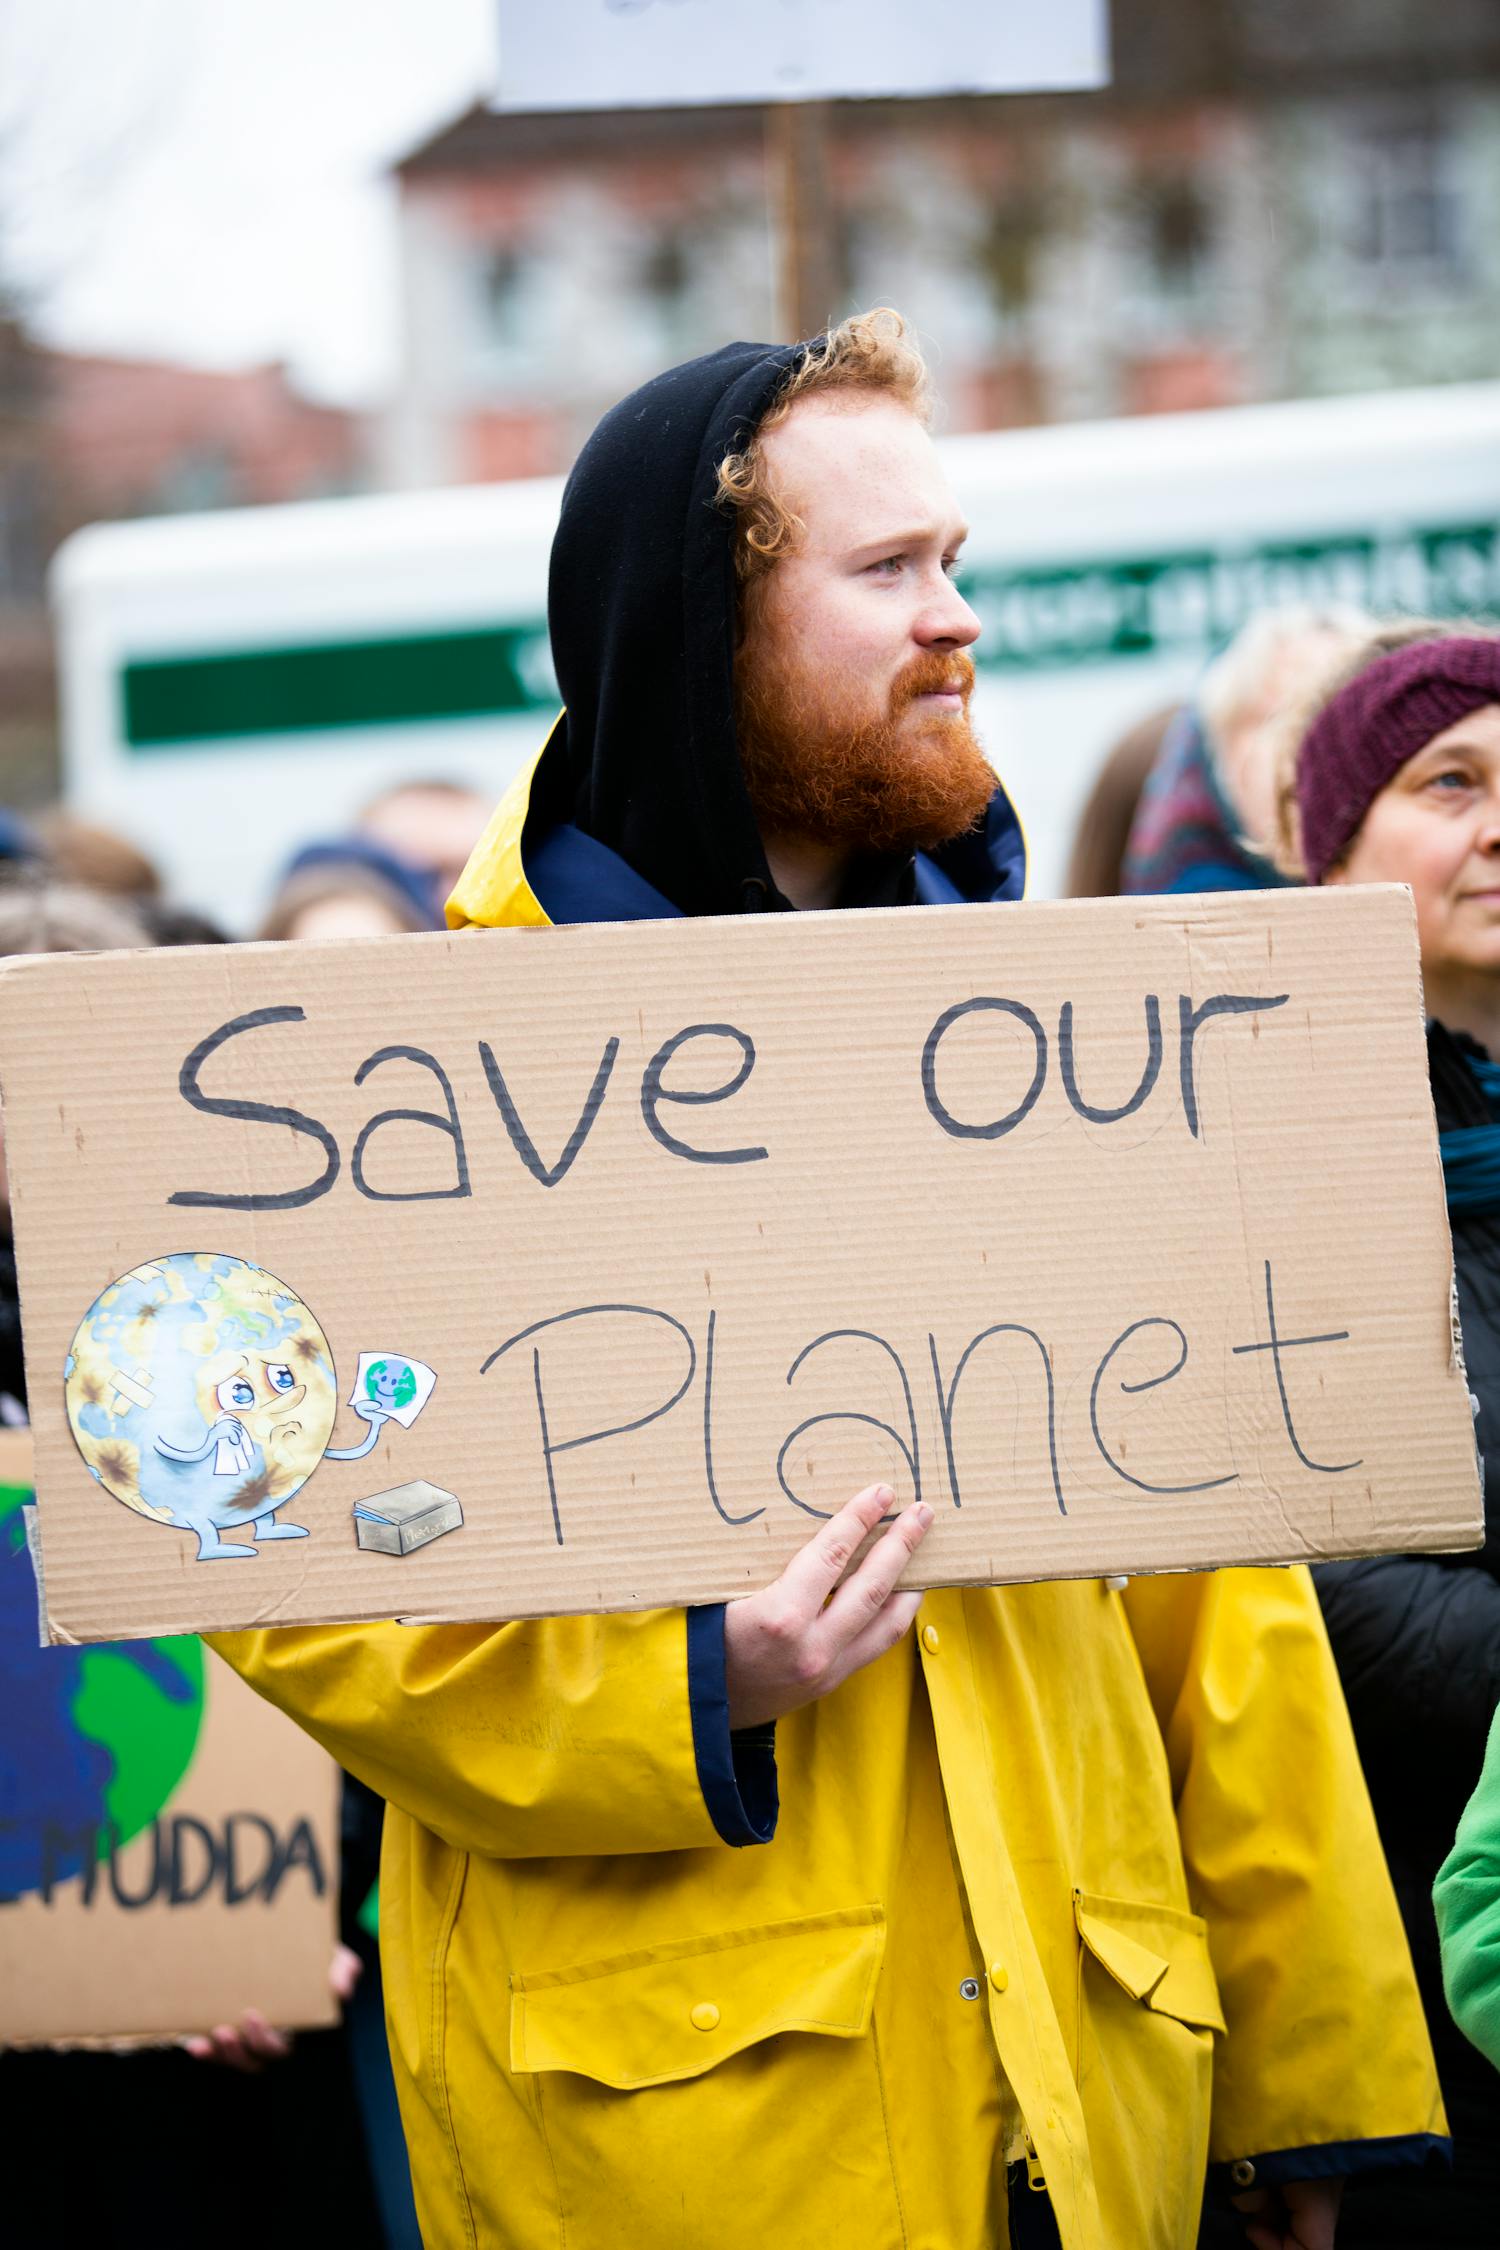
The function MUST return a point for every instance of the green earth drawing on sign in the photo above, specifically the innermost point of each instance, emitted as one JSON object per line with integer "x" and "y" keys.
{"x": 94, "y": 1741}
{"x": 392, "y": 1384}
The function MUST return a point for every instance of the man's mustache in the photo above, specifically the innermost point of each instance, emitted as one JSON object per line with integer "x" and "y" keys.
{"x": 933, "y": 674}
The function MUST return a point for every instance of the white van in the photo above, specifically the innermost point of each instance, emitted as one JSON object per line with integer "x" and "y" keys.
{"x": 237, "y": 684}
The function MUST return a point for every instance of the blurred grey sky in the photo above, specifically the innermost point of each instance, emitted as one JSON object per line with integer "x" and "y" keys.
{"x": 202, "y": 179}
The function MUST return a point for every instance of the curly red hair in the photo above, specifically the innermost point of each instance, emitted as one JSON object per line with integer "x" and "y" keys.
{"x": 870, "y": 351}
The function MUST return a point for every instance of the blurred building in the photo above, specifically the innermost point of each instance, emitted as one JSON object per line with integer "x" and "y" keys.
{"x": 86, "y": 438}
{"x": 1275, "y": 198}
{"x": 27, "y": 691}
{"x": 132, "y": 437}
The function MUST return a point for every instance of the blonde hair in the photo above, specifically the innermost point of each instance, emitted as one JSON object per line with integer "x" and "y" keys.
{"x": 1234, "y": 683}
{"x": 870, "y": 351}
{"x": 1391, "y": 634}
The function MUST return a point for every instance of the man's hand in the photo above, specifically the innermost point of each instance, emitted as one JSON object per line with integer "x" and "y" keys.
{"x": 1298, "y": 2215}
{"x": 246, "y": 2046}
{"x": 344, "y": 1973}
{"x": 807, "y": 1632}
{"x": 253, "y": 2042}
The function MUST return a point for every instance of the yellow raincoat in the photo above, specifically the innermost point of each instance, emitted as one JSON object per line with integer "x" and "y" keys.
{"x": 1077, "y": 1887}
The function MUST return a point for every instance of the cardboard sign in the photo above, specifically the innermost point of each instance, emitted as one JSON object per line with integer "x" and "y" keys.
{"x": 622, "y": 54}
{"x": 169, "y": 1843}
{"x": 530, "y": 1271}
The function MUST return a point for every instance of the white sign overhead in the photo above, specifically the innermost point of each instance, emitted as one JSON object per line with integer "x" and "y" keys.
{"x": 622, "y": 54}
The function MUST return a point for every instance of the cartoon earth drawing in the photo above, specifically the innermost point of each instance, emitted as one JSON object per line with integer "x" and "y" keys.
{"x": 391, "y": 1384}
{"x": 96, "y": 1739}
{"x": 201, "y": 1392}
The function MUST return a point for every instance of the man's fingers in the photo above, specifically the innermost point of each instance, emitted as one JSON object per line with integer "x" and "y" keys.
{"x": 862, "y": 1597}
{"x": 344, "y": 1972}
{"x": 1263, "y": 2227}
{"x": 1301, "y": 2216}
{"x": 1313, "y": 2211}
{"x": 891, "y": 1625}
{"x": 262, "y": 2038}
{"x": 814, "y": 1625}
{"x": 229, "y": 2049}
{"x": 247, "y": 2046}
{"x": 816, "y": 1569}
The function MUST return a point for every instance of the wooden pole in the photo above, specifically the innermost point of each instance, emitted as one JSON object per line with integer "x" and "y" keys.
{"x": 802, "y": 207}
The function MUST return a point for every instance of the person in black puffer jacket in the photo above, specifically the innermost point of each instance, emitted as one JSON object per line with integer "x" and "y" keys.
{"x": 1397, "y": 779}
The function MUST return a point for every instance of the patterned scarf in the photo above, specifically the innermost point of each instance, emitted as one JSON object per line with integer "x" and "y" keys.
{"x": 1184, "y": 836}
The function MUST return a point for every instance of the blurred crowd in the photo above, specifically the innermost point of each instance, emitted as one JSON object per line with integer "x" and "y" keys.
{"x": 1324, "y": 746}
{"x": 320, "y": 2111}
{"x": 1321, "y": 746}
{"x": 389, "y": 874}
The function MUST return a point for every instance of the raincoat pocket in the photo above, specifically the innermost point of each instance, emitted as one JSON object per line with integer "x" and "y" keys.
{"x": 1158, "y": 1954}
{"x": 674, "y": 2011}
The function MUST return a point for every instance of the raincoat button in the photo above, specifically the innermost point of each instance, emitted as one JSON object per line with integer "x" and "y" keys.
{"x": 969, "y": 1989}
{"x": 999, "y": 1975}
{"x": 1243, "y": 2173}
{"x": 705, "y": 2016}
{"x": 931, "y": 1639}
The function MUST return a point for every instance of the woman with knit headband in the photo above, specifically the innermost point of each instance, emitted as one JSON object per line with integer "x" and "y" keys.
{"x": 1397, "y": 780}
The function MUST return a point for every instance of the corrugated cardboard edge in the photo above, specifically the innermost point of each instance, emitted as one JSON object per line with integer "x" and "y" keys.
{"x": 1457, "y": 1363}
{"x": 33, "y": 1528}
{"x": 140, "y": 2043}
{"x": 1460, "y": 1366}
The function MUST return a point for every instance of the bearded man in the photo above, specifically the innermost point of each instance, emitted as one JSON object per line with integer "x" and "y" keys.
{"x": 1068, "y": 1894}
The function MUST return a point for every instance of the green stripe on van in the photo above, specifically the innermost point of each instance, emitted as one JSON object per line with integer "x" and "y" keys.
{"x": 401, "y": 680}
{"x": 1187, "y": 603}
{"x": 1194, "y": 603}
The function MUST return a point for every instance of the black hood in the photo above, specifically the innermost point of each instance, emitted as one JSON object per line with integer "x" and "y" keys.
{"x": 641, "y": 608}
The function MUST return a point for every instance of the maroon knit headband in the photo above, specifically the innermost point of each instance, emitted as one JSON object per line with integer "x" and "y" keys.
{"x": 1384, "y": 715}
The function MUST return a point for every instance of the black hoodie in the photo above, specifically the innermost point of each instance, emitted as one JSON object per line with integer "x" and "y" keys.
{"x": 641, "y": 608}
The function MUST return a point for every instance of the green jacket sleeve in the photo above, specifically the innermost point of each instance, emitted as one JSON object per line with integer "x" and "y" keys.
{"x": 564, "y": 1735}
{"x": 1327, "y": 2067}
{"x": 1467, "y": 1898}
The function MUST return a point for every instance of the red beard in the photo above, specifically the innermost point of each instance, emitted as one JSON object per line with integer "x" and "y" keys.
{"x": 886, "y": 786}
